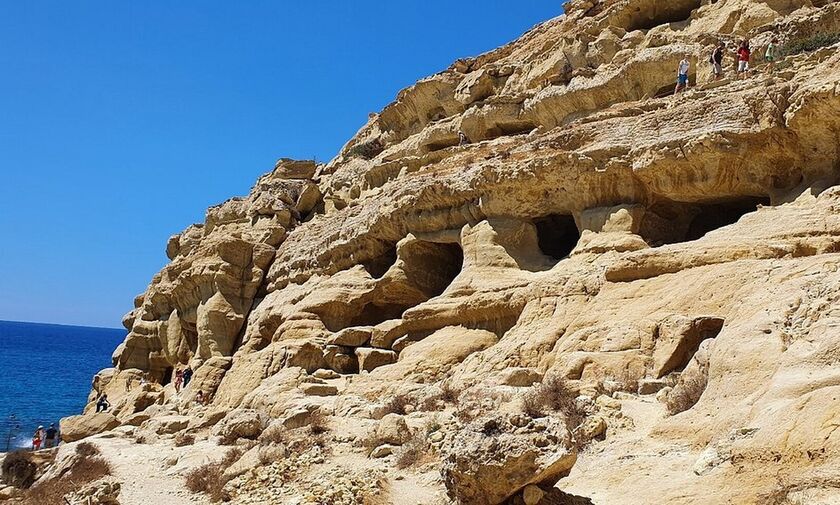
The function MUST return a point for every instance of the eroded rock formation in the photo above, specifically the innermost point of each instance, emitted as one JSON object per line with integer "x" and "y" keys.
{"x": 594, "y": 229}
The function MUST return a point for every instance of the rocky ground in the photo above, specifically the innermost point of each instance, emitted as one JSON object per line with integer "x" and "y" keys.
{"x": 608, "y": 295}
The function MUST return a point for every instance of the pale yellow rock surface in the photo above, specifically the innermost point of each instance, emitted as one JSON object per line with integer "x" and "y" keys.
{"x": 595, "y": 229}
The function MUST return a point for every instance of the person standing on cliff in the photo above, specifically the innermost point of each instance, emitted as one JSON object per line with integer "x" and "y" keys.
{"x": 49, "y": 439}
{"x": 188, "y": 373}
{"x": 179, "y": 380}
{"x": 770, "y": 55}
{"x": 744, "y": 59}
{"x": 37, "y": 438}
{"x": 682, "y": 74}
{"x": 717, "y": 61}
{"x": 462, "y": 138}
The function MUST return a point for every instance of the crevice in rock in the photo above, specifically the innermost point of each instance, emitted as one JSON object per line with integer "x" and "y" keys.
{"x": 675, "y": 222}
{"x": 660, "y": 13}
{"x": 713, "y": 216}
{"x": 509, "y": 129}
{"x": 557, "y": 235}
{"x": 377, "y": 266}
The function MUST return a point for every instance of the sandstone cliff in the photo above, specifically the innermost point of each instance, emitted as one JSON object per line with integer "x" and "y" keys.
{"x": 610, "y": 295}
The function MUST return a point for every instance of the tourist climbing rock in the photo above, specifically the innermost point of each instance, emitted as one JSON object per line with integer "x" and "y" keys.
{"x": 682, "y": 74}
{"x": 744, "y": 59}
{"x": 188, "y": 373}
{"x": 102, "y": 403}
{"x": 179, "y": 380}
{"x": 462, "y": 138}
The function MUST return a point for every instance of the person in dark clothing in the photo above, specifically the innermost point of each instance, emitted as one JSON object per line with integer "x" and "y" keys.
{"x": 717, "y": 60}
{"x": 102, "y": 403}
{"x": 188, "y": 373}
{"x": 49, "y": 440}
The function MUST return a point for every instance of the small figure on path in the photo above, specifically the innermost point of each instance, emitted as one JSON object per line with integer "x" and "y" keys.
{"x": 770, "y": 55}
{"x": 37, "y": 438}
{"x": 199, "y": 397}
{"x": 188, "y": 373}
{"x": 682, "y": 74}
{"x": 49, "y": 440}
{"x": 462, "y": 138}
{"x": 717, "y": 61}
{"x": 102, "y": 403}
{"x": 179, "y": 380}
{"x": 744, "y": 53}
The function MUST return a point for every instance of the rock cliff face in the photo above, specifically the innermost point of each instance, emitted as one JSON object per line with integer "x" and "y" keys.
{"x": 671, "y": 260}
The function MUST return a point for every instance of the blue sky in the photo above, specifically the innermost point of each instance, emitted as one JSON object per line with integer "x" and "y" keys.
{"x": 121, "y": 122}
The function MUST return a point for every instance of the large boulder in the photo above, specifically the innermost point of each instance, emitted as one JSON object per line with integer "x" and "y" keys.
{"x": 494, "y": 457}
{"x": 165, "y": 425}
{"x": 392, "y": 429}
{"x": 78, "y": 427}
{"x": 241, "y": 423}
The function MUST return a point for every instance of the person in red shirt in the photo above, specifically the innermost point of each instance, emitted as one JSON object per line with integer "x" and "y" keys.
{"x": 744, "y": 59}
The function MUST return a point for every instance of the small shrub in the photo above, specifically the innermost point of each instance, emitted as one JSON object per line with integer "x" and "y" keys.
{"x": 449, "y": 394}
{"x": 87, "y": 450}
{"x": 208, "y": 479}
{"x": 412, "y": 452}
{"x": 275, "y": 435}
{"x": 19, "y": 469}
{"x": 52, "y": 492}
{"x": 182, "y": 439}
{"x": 231, "y": 457}
{"x": 553, "y": 394}
{"x": 685, "y": 394}
{"x": 397, "y": 405}
{"x": 366, "y": 150}
{"x": 811, "y": 43}
{"x": 318, "y": 423}
{"x": 228, "y": 439}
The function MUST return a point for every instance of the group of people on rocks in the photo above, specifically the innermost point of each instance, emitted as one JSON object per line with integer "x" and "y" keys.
{"x": 743, "y": 56}
{"x": 182, "y": 378}
{"x": 46, "y": 437}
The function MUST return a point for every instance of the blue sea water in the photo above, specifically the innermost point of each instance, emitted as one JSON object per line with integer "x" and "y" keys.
{"x": 46, "y": 372}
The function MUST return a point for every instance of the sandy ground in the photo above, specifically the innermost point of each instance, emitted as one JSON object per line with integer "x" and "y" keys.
{"x": 145, "y": 475}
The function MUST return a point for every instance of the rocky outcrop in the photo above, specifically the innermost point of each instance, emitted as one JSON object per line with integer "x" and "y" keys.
{"x": 595, "y": 230}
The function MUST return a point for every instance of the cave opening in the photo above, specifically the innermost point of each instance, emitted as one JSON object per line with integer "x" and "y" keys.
{"x": 432, "y": 266}
{"x": 557, "y": 235}
{"x": 660, "y": 13}
{"x": 167, "y": 376}
{"x": 377, "y": 266}
{"x": 710, "y": 217}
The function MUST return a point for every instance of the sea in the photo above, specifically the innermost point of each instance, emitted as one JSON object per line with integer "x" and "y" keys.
{"x": 45, "y": 374}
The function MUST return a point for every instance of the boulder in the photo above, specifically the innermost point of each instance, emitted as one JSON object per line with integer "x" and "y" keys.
{"x": 341, "y": 359}
{"x": 166, "y": 425}
{"x": 352, "y": 337}
{"x": 78, "y": 427}
{"x": 286, "y": 168}
{"x": 371, "y": 359}
{"x": 314, "y": 389}
{"x": 519, "y": 377}
{"x": 241, "y": 423}
{"x": 491, "y": 459}
{"x": 392, "y": 429}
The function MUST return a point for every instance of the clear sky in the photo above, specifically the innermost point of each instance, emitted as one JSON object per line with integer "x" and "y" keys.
{"x": 121, "y": 122}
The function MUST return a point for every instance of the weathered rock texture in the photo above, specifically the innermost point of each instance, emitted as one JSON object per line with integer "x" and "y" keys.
{"x": 593, "y": 229}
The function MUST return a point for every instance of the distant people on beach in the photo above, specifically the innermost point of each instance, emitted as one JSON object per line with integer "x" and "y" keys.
{"x": 682, "y": 74}
{"x": 37, "y": 438}
{"x": 51, "y": 434}
{"x": 102, "y": 403}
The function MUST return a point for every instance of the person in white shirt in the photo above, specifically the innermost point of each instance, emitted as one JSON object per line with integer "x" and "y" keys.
{"x": 682, "y": 74}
